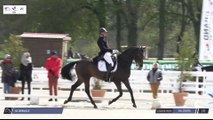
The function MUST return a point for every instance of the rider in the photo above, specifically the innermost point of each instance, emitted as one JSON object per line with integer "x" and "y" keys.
{"x": 105, "y": 51}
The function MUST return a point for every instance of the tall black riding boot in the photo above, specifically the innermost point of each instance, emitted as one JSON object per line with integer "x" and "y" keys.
{"x": 109, "y": 68}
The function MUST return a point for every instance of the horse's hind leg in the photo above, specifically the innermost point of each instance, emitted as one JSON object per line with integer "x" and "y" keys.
{"x": 126, "y": 83}
{"x": 87, "y": 90}
{"x": 118, "y": 85}
{"x": 73, "y": 87}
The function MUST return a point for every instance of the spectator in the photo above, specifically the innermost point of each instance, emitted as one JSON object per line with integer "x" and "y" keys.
{"x": 8, "y": 74}
{"x": 154, "y": 77}
{"x": 70, "y": 53}
{"x": 77, "y": 55}
{"x": 53, "y": 66}
{"x": 26, "y": 72}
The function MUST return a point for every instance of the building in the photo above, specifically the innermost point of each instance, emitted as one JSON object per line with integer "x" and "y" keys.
{"x": 41, "y": 44}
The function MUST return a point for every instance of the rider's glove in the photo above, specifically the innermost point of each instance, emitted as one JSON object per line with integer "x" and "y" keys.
{"x": 115, "y": 51}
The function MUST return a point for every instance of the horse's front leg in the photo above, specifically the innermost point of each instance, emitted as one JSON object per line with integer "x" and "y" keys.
{"x": 73, "y": 87}
{"x": 87, "y": 90}
{"x": 118, "y": 85}
{"x": 126, "y": 83}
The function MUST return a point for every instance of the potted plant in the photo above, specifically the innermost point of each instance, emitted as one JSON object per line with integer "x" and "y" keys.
{"x": 97, "y": 90}
{"x": 185, "y": 62}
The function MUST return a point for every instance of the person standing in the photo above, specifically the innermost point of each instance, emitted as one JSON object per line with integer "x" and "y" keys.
{"x": 8, "y": 74}
{"x": 53, "y": 66}
{"x": 154, "y": 77}
{"x": 26, "y": 68}
{"x": 70, "y": 53}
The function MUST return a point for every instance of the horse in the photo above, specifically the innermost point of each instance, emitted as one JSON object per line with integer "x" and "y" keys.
{"x": 207, "y": 68}
{"x": 85, "y": 69}
{"x": 199, "y": 67}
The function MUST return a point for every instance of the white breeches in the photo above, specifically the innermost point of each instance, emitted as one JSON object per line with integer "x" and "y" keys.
{"x": 108, "y": 58}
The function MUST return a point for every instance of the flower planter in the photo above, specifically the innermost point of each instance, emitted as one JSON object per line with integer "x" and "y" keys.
{"x": 98, "y": 95}
{"x": 14, "y": 90}
{"x": 179, "y": 98}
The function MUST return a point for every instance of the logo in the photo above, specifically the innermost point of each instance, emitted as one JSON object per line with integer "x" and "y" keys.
{"x": 14, "y": 9}
{"x": 8, "y": 110}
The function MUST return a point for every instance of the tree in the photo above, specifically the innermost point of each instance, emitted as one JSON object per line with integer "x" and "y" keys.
{"x": 183, "y": 23}
{"x": 14, "y": 47}
{"x": 185, "y": 57}
{"x": 194, "y": 13}
{"x": 98, "y": 7}
{"x": 118, "y": 12}
{"x": 132, "y": 20}
{"x": 162, "y": 30}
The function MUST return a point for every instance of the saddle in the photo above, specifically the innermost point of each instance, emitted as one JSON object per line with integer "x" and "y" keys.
{"x": 101, "y": 63}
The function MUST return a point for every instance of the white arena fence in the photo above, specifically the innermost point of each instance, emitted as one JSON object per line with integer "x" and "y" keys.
{"x": 137, "y": 80}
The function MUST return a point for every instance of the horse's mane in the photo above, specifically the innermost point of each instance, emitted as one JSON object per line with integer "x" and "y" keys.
{"x": 130, "y": 49}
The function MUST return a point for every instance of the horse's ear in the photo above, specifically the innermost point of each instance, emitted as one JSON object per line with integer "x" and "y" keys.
{"x": 144, "y": 47}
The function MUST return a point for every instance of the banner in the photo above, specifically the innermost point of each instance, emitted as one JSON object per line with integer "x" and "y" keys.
{"x": 14, "y": 9}
{"x": 206, "y": 31}
{"x": 34, "y": 110}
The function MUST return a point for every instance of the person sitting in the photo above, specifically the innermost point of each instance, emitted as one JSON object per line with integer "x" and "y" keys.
{"x": 105, "y": 51}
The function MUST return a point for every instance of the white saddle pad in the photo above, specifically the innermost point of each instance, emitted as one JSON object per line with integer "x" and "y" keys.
{"x": 102, "y": 66}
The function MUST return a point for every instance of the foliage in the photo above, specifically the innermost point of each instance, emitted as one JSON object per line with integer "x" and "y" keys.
{"x": 82, "y": 18}
{"x": 187, "y": 77}
{"x": 185, "y": 58}
{"x": 97, "y": 84}
{"x": 90, "y": 47}
{"x": 14, "y": 47}
{"x": 186, "y": 54}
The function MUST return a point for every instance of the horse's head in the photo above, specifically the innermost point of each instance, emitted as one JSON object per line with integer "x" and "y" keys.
{"x": 139, "y": 56}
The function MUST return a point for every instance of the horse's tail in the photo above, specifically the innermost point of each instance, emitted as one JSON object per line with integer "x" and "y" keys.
{"x": 65, "y": 72}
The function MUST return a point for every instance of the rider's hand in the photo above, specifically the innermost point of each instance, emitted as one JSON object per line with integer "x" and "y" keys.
{"x": 115, "y": 51}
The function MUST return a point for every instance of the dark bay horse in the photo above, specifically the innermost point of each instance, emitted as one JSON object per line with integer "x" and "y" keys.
{"x": 85, "y": 69}
{"x": 207, "y": 68}
{"x": 199, "y": 67}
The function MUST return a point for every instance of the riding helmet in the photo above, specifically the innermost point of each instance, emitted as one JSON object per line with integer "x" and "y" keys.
{"x": 102, "y": 29}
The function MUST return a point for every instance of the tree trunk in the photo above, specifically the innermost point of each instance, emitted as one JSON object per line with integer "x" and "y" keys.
{"x": 118, "y": 5}
{"x": 162, "y": 30}
{"x": 132, "y": 8}
{"x": 102, "y": 13}
{"x": 118, "y": 33}
{"x": 194, "y": 9}
{"x": 183, "y": 25}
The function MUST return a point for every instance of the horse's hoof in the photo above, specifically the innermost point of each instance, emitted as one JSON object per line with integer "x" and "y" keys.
{"x": 110, "y": 102}
{"x": 66, "y": 101}
{"x": 95, "y": 107}
{"x": 134, "y": 106}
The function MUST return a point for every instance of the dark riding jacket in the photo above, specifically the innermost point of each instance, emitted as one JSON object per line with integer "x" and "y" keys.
{"x": 9, "y": 73}
{"x": 26, "y": 72}
{"x": 102, "y": 44}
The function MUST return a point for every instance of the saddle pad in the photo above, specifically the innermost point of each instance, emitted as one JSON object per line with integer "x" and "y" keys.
{"x": 102, "y": 66}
